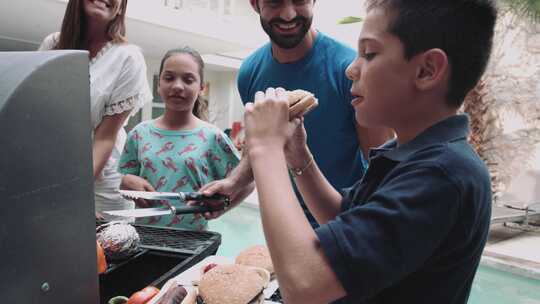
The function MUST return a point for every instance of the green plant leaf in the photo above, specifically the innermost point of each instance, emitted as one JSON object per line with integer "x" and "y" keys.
{"x": 349, "y": 19}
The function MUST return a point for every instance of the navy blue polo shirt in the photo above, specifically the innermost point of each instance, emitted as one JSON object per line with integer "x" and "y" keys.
{"x": 413, "y": 229}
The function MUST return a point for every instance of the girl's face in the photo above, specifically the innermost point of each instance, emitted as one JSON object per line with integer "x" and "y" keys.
{"x": 102, "y": 10}
{"x": 180, "y": 82}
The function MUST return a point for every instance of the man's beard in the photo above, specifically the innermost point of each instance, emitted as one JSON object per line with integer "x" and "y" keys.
{"x": 287, "y": 41}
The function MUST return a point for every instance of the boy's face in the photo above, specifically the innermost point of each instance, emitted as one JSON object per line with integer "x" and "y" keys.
{"x": 383, "y": 80}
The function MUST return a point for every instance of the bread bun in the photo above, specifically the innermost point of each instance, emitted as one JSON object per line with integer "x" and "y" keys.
{"x": 233, "y": 284}
{"x": 301, "y": 102}
{"x": 256, "y": 256}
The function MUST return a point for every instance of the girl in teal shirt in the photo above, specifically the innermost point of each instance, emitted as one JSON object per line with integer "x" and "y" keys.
{"x": 177, "y": 151}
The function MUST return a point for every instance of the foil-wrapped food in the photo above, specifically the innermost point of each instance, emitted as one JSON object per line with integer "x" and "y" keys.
{"x": 118, "y": 239}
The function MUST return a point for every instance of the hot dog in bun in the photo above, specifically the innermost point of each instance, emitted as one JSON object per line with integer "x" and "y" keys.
{"x": 301, "y": 102}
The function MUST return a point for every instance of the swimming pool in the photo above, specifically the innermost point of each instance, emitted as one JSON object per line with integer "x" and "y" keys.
{"x": 241, "y": 227}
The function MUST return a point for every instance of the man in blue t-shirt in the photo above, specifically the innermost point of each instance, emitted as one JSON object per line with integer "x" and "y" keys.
{"x": 412, "y": 230}
{"x": 299, "y": 57}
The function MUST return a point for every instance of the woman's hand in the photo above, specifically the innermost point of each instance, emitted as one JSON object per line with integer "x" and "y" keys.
{"x": 99, "y": 216}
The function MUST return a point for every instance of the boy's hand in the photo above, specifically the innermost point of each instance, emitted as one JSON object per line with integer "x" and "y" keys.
{"x": 137, "y": 183}
{"x": 267, "y": 120}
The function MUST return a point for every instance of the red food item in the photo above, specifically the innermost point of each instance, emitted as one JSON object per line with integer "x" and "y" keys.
{"x": 143, "y": 296}
{"x": 101, "y": 261}
{"x": 208, "y": 267}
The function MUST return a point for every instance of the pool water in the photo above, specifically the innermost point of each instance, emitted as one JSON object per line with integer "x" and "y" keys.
{"x": 492, "y": 286}
{"x": 241, "y": 227}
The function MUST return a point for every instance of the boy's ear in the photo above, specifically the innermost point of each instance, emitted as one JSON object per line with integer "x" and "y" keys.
{"x": 432, "y": 69}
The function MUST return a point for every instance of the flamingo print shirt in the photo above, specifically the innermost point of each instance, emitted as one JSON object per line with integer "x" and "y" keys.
{"x": 178, "y": 161}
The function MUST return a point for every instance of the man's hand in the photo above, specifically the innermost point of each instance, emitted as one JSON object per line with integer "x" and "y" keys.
{"x": 137, "y": 183}
{"x": 296, "y": 150}
{"x": 223, "y": 186}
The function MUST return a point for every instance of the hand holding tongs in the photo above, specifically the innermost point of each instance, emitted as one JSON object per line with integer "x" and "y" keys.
{"x": 223, "y": 203}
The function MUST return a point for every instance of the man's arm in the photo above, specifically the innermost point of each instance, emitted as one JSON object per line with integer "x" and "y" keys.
{"x": 322, "y": 200}
{"x": 372, "y": 137}
{"x": 237, "y": 185}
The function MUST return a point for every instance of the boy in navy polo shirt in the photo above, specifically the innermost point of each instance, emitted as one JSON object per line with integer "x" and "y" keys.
{"x": 413, "y": 229}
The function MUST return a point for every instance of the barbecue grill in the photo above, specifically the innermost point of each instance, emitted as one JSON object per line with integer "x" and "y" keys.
{"x": 165, "y": 252}
{"x": 46, "y": 183}
{"x": 47, "y": 220}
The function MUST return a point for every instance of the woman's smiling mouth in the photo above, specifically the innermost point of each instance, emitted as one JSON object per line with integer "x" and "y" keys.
{"x": 102, "y": 3}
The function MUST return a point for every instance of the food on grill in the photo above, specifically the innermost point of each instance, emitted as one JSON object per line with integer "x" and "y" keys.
{"x": 207, "y": 267}
{"x": 143, "y": 296}
{"x": 118, "y": 239}
{"x": 233, "y": 284}
{"x": 177, "y": 294}
{"x": 301, "y": 102}
{"x": 276, "y": 297}
{"x": 257, "y": 256}
{"x": 101, "y": 261}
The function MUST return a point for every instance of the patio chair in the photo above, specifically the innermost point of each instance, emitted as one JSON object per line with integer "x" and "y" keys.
{"x": 520, "y": 202}
{"x": 508, "y": 213}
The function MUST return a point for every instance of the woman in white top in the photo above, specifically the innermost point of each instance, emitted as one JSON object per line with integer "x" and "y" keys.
{"x": 118, "y": 85}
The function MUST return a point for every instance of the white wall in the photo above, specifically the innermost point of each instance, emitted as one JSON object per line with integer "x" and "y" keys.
{"x": 225, "y": 104}
{"x": 327, "y": 14}
{"x": 152, "y": 68}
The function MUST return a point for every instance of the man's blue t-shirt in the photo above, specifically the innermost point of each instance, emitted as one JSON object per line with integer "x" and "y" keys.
{"x": 331, "y": 130}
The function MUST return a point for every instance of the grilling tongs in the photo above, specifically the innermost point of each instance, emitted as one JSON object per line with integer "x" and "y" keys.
{"x": 219, "y": 202}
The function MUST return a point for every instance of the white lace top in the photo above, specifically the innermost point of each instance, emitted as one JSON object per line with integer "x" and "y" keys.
{"x": 118, "y": 84}
{"x": 117, "y": 79}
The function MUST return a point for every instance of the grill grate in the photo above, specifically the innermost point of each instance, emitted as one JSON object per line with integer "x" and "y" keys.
{"x": 176, "y": 240}
{"x": 276, "y": 297}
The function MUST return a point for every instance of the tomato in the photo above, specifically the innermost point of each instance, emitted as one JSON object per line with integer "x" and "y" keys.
{"x": 143, "y": 296}
{"x": 151, "y": 289}
{"x": 101, "y": 261}
{"x": 208, "y": 267}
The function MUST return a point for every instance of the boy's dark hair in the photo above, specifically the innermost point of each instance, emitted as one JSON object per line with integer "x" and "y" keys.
{"x": 200, "y": 109}
{"x": 463, "y": 29}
